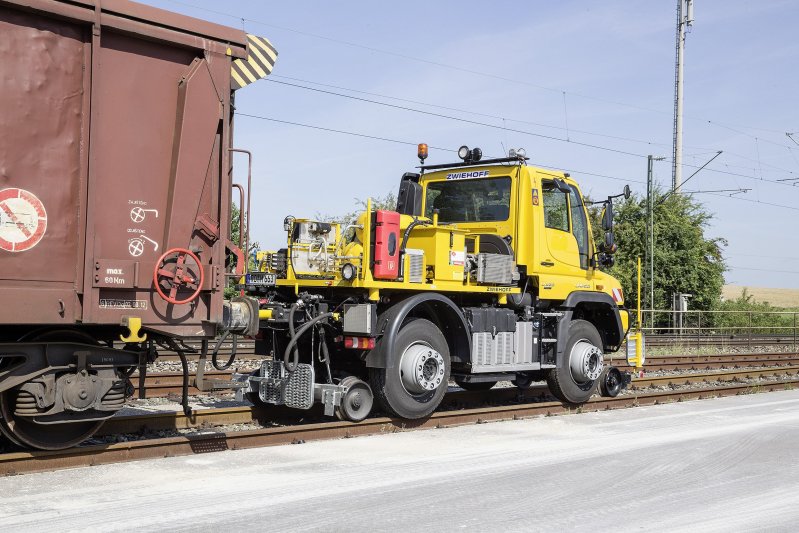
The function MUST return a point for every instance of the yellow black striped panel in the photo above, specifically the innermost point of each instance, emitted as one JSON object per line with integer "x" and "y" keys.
{"x": 261, "y": 57}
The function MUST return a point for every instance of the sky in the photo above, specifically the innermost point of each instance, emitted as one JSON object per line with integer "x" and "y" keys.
{"x": 583, "y": 86}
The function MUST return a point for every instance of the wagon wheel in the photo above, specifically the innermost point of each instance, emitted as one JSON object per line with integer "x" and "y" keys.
{"x": 24, "y": 432}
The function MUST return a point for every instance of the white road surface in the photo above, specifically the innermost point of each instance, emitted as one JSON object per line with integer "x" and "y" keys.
{"x": 728, "y": 464}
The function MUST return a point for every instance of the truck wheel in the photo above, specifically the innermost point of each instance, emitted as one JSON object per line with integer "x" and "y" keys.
{"x": 574, "y": 378}
{"x": 475, "y": 385}
{"x": 416, "y": 384}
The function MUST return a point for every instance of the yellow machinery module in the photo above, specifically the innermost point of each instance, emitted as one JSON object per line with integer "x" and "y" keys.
{"x": 485, "y": 271}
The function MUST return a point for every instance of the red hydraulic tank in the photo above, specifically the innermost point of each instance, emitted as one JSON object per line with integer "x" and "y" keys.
{"x": 386, "y": 247}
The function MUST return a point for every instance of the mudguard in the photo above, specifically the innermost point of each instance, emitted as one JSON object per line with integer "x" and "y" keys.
{"x": 580, "y": 297}
{"x": 435, "y": 307}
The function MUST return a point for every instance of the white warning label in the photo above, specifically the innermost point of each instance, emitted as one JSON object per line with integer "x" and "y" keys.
{"x": 113, "y": 303}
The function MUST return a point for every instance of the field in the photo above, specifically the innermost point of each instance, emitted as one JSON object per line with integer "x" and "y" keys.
{"x": 776, "y": 297}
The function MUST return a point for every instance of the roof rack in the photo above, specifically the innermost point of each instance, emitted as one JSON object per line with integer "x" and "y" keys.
{"x": 516, "y": 159}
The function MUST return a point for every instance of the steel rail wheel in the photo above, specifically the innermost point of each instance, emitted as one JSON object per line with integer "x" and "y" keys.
{"x": 49, "y": 436}
{"x": 611, "y": 383}
{"x": 357, "y": 401}
{"x": 416, "y": 384}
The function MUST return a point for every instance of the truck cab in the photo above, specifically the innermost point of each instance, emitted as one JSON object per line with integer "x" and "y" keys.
{"x": 538, "y": 216}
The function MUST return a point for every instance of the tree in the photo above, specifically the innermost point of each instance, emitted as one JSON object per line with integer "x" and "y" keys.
{"x": 235, "y": 228}
{"x": 387, "y": 202}
{"x": 686, "y": 260}
{"x": 235, "y": 225}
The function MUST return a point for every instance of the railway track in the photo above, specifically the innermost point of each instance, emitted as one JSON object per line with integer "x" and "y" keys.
{"x": 461, "y": 407}
{"x": 163, "y": 384}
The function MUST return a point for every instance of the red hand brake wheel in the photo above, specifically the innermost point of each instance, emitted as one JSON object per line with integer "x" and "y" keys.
{"x": 176, "y": 275}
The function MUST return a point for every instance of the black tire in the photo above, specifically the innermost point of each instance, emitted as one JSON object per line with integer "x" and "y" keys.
{"x": 560, "y": 380}
{"x": 387, "y": 383}
{"x": 475, "y": 385}
{"x": 611, "y": 382}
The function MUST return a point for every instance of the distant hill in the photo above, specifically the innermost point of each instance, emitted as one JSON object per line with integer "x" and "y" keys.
{"x": 776, "y": 297}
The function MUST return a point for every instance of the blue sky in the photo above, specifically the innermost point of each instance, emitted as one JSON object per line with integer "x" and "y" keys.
{"x": 598, "y": 73}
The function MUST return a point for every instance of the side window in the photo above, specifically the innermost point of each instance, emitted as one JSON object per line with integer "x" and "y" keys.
{"x": 579, "y": 225}
{"x": 556, "y": 208}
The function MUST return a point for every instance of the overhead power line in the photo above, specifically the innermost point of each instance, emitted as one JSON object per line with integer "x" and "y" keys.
{"x": 410, "y": 143}
{"x": 458, "y": 68}
{"x": 461, "y": 119}
{"x": 505, "y": 128}
{"x": 528, "y": 122}
{"x": 275, "y": 77}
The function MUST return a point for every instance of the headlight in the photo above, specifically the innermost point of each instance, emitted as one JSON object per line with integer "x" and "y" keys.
{"x": 348, "y": 271}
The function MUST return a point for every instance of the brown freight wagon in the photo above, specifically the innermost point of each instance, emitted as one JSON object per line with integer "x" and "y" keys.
{"x": 115, "y": 197}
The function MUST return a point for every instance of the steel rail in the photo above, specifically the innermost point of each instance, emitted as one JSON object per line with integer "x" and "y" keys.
{"x": 25, "y": 462}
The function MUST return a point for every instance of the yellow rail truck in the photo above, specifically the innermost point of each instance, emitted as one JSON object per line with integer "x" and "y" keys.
{"x": 486, "y": 272}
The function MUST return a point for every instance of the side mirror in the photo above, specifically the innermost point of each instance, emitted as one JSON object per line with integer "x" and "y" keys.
{"x": 561, "y": 186}
{"x": 607, "y": 217}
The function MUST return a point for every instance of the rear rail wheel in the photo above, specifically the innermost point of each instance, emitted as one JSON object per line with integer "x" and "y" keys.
{"x": 579, "y": 368}
{"x": 357, "y": 401}
{"x": 416, "y": 384}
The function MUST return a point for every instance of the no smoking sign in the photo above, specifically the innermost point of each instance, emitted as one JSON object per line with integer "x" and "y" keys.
{"x": 23, "y": 220}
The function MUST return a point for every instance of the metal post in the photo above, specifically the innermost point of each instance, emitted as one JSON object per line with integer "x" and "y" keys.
{"x": 749, "y": 344}
{"x": 650, "y": 237}
{"x": 699, "y": 330}
{"x": 684, "y": 19}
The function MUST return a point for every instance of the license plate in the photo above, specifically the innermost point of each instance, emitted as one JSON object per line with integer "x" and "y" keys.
{"x": 261, "y": 279}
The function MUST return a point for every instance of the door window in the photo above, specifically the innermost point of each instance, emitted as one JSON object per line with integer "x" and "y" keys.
{"x": 556, "y": 208}
{"x": 579, "y": 224}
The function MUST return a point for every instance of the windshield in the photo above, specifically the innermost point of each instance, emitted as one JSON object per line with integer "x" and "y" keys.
{"x": 480, "y": 200}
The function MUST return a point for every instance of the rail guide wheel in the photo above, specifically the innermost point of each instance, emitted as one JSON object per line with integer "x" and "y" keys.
{"x": 611, "y": 383}
{"x": 357, "y": 401}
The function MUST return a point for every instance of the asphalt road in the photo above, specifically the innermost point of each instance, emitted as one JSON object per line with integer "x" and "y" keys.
{"x": 712, "y": 465}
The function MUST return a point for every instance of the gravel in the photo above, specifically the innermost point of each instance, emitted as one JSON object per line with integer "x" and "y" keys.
{"x": 240, "y": 365}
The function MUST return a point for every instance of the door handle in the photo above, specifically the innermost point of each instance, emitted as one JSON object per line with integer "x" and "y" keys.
{"x": 547, "y": 263}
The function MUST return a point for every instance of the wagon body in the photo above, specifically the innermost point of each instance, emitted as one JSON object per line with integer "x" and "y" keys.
{"x": 115, "y": 129}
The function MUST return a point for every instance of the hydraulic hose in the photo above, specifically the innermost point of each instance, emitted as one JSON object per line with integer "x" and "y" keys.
{"x": 292, "y": 331}
{"x": 325, "y": 354}
{"x": 291, "y": 358}
{"x": 184, "y": 398}
{"x": 405, "y": 236}
{"x": 218, "y": 345}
